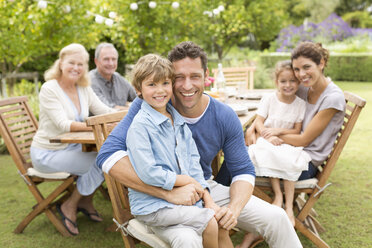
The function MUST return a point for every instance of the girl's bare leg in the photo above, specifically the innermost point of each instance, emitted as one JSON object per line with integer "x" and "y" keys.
{"x": 210, "y": 234}
{"x": 249, "y": 238}
{"x": 278, "y": 195}
{"x": 289, "y": 195}
{"x": 224, "y": 240}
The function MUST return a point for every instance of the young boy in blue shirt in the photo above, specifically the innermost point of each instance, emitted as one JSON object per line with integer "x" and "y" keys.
{"x": 163, "y": 154}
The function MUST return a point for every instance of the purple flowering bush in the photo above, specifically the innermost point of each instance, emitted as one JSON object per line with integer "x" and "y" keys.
{"x": 332, "y": 29}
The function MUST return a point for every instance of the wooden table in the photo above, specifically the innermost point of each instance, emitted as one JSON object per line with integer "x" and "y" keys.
{"x": 85, "y": 138}
{"x": 88, "y": 142}
{"x": 74, "y": 137}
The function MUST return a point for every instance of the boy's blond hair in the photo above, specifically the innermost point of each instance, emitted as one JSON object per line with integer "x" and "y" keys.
{"x": 151, "y": 65}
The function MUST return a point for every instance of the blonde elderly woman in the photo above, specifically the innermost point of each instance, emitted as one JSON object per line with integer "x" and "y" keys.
{"x": 65, "y": 102}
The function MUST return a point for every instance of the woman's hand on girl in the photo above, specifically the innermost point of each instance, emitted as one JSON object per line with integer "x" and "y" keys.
{"x": 276, "y": 141}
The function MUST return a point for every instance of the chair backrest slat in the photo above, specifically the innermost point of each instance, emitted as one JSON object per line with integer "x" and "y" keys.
{"x": 23, "y": 138}
{"x": 117, "y": 191}
{"x": 25, "y": 144}
{"x": 26, "y": 130}
{"x": 18, "y": 126}
{"x": 236, "y": 75}
{"x": 354, "y": 105}
{"x": 9, "y": 109}
{"x": 15, "y": 114}
{"x": 18, "y": 120}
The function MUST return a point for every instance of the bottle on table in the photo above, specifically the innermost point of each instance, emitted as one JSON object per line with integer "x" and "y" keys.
{"x": 221, "y": 84}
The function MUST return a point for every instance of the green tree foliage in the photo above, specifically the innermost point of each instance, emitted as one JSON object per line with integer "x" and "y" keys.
{"x": 261, "y": 19}
{"x": 358, "y": 19}
{"x": 148, "y": 30}
{"x": 28, "y": 33}
{"x": 320, "y": 9}
{"x": 297, "y": 12}
{"x": 157, "y": 30}
{"x": 347, "y": 6}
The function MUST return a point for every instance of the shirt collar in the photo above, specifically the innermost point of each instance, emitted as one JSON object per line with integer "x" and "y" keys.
{"x": 159, "y": 118}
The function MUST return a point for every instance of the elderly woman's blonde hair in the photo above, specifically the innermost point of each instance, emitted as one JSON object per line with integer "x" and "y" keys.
{"x": 55, "y": 72}
{"x": 151, "y": 65}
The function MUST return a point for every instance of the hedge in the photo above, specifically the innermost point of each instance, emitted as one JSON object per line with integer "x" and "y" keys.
{"x": 341, "y": 67}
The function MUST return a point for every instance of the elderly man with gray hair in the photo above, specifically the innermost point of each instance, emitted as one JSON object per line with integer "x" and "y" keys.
{"x": 112, "y": 88}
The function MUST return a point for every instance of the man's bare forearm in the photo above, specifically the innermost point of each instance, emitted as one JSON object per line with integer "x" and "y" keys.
{"x": 238, "y": 199}
{"x": 227, "y": 217}
{"x": 123, "y": 172}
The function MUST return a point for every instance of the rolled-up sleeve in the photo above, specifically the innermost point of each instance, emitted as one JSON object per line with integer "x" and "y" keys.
{"x": 143, "y": 160}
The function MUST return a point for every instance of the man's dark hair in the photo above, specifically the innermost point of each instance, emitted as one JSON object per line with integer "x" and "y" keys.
{"x": 188, "y": 49}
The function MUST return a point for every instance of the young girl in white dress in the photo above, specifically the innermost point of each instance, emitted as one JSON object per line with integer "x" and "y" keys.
{"x": 280, "y": 113}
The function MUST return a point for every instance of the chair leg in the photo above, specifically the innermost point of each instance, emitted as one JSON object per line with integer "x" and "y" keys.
{"x": 262, "y": 195}
{"x": 128, "y": 241}
{"x": 21, "y": 226}
{"x": 310, "y": 235}
{"x": 300, "y": 201}
{"x": 104, "y": 192}
{"x": 256, "y": 242}
{"x": 43, "y": 206}
{"x": 57, "y": 223}
{"x": 316, "y": 223}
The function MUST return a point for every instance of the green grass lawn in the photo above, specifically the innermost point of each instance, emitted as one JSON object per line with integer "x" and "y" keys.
{"x": 345, "y": 209}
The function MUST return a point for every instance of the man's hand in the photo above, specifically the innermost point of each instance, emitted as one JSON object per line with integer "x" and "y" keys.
{"x": 184, "y": 195}
{"x": 226, "y": 218}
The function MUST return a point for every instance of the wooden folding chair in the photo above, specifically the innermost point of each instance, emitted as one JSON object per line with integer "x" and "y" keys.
{"x": 132, "y": 231}
{"x": 236, "y": 75}
{"x": 312, "y": 189}
{"x": 17, "y": 127}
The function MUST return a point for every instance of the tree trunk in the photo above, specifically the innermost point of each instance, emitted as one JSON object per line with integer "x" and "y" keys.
{"x": 219, "y": 52}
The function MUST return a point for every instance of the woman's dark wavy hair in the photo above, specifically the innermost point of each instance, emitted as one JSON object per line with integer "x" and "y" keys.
{"x": 310, "y": 50}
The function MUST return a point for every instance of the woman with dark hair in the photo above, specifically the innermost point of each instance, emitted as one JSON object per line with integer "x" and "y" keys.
{"x": 324, "y": 115}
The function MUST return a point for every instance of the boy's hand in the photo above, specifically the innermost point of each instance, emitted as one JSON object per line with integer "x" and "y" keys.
{"x": 198, "y": 187}
{"x": 183, "y": 195}
{"x": 183, "y": 180}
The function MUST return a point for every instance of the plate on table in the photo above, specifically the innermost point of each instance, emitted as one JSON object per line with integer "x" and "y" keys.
{"x": 230, "y": 91}
{"x": 240, "y": 109}
{"x": 251, "y": 105}
{"x": 250, "y": 96}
